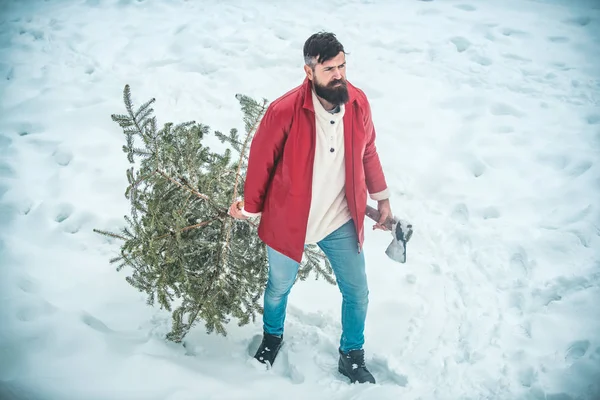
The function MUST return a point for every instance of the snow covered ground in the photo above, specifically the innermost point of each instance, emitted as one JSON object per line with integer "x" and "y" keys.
{"x": 488, "y": 118}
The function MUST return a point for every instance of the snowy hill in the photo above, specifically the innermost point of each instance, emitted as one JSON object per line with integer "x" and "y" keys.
{"x": 488, "y": 122}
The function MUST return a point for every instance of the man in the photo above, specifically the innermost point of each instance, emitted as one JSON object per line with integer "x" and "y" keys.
{"x": 311, "y": 163}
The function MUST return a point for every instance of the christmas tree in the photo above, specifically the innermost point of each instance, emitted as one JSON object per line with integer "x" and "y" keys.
{"x": 184, "y": 250}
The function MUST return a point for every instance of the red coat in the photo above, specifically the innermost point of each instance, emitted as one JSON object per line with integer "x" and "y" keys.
{"x": 280, "y": 167}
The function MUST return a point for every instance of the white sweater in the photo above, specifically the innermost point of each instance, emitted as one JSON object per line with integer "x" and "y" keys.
{"x": 329, "y": 208}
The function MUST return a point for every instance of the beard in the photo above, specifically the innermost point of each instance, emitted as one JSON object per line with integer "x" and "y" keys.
{"x": 336, "y": 95}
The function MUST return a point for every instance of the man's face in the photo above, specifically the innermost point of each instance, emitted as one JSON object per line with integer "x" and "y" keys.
{"x": 329, "y": 79}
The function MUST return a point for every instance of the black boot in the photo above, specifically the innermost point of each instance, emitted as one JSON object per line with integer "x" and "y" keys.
{"x": 352, "y": 365}
{"x": 268, "y": 349}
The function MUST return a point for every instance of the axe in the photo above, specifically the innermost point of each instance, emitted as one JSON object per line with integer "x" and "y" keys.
{"x": 401, "y": 232}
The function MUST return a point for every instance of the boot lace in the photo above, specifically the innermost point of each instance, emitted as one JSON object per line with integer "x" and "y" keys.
{"x": 357, "y": 358}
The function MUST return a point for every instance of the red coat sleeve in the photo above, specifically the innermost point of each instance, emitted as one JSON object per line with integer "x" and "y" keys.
{"x": 265, "y": 149}
{"x": 375, "y": 178}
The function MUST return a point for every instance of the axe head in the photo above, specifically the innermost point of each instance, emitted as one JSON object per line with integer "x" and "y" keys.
{"x": 401, "y": 232}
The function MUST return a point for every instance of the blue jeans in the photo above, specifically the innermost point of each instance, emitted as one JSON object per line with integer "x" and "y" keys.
{"x": 341, "y": 248}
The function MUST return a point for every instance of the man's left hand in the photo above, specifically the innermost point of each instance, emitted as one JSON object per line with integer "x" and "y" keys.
{"x": 385, "y": 212}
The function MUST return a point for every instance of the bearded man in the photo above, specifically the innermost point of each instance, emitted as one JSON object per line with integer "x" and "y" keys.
{"x": 312, "y": 164}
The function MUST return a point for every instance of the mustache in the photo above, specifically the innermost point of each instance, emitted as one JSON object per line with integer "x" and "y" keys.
{"x": 335, "y": 82}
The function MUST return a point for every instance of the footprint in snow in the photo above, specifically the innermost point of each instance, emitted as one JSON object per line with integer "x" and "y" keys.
{"x": 6, "y": 171}
{"x": 180, "y": 29}
{"x": 35, "y": 310}
{"x": 515, "y": 33}
{"x": 465, "y": 7}
{"x": 476, "y": 58}
{"x": 559, "y": 288}
{"x": 558, "y": 39}
{"x": 429, "y": 11}
{"x": 561, "y": 66}
{"x": 74, "y": 224}
{"x": 580, "y": 168}
{"x": 519, "y": 262}
{"x": 556, "y": 161}
{"x": 461, "y": 43}
{"x": 69, "y": 222}
{"x": 503, "y": 129}
{"x": 460, "y": 213}
{"x": 5, "y": 143}
{"x": 28, "y": 128}
{"x": 516, "y": 57}
{"x": 36, "y": 34}
{"x": 95, "y": 323}
{"x": 490, "y": 213}
{"x": 64, "y": 211}
{"x": 576, "y": 350}
{"x": 27, "y": 285}
{"x": 383, "y": 373}
{"x": 578, "y": 21}
{"x": 62, "y": 157}
{"x": 527, "y": 376}
{"x": 475, "y": 166}
{"x": 593, "y": 119}
{"x": 578, "y": 214}
{"x": 117, "y": 342}
{"x": 502, "y": 109}
{"x": 516, "y": 299}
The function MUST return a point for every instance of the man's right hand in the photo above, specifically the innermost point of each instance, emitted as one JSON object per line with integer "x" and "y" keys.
{"x": 235, "y": 210}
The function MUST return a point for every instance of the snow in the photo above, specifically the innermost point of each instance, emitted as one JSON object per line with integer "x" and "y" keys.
{"x": 488, "y": 126}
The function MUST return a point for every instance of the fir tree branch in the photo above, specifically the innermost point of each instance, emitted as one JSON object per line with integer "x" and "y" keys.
{"x": 187, "y": 228}
{"x": 198, "y": 307}
{"x": 129, "y": 107}
{"x": 224, "y": 138}
{"x": 185, "y": 203}
{"x": 202, "y": 196}
{"x": 143, "y": 178}
{"x": 316, "y": 254}
{"x": 227, "y": 228}
{"x": 105, "y": 233}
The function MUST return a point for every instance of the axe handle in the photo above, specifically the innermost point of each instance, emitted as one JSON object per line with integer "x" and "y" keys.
{"x": 374, "y": 215}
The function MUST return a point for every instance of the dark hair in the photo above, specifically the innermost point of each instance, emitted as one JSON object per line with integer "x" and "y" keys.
{"x": 322, "y": 45}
